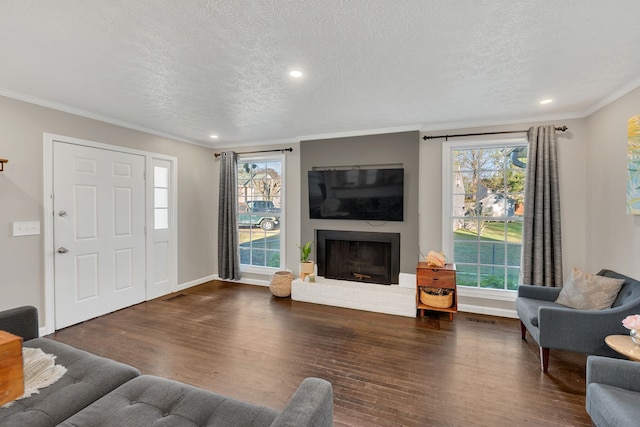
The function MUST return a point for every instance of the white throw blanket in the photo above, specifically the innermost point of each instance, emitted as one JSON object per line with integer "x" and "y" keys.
{"x": 39, "y": 371}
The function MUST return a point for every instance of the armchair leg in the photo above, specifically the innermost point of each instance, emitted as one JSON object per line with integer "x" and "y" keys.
{"x": 544, "y": 359}
{"x": 523, "y": 330}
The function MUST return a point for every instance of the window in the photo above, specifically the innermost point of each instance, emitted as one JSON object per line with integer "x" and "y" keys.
{"x": 160, "y": 198}
{"x": 484, "y": 202}
{"x": 260, "y": 182}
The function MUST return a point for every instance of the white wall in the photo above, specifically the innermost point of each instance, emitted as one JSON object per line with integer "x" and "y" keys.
{"x": 291, "y": 209}
{"x": 22, "y": 126}
{"x": 612, "y": 236}
{"x": 573, "y": 189}
{"x": 597, "y": 232}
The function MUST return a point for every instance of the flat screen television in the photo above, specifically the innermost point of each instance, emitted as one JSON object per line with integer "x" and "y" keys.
{"x": 364, "y": 194}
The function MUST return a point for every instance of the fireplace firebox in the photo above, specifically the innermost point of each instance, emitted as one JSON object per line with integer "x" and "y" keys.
{"x": 358, "y": 256}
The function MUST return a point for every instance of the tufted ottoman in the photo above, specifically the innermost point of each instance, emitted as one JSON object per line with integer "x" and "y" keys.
{"x": 87, "y": 394}
{"x": 88, "y": 378}
{"x": 149, "y": 400}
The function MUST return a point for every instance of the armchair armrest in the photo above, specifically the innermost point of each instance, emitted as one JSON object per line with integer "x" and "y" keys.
{"x": 311, "y": 405}
{"x": 543, "y": 293}
{"x": 580, "y": 330}
{"x": 620, "y": 373}
{"x": 21, "y": 321}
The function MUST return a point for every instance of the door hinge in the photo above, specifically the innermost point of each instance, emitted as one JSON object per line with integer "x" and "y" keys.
{"x": 144, "y": 175}
{"x": 145, "y": 230}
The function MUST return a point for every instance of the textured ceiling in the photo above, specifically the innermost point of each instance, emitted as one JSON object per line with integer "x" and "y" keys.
{"x": 190, "y": 68}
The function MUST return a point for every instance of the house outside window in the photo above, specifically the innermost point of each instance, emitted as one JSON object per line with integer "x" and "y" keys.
{"x": 483, "y": 203}
{"x": 260, "y": 216}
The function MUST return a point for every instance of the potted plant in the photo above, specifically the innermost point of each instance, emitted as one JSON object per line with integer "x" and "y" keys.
{"x": 306, "y": 265}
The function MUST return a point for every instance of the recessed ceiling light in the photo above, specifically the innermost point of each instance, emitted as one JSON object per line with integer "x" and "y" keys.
{"x": 546, "y": 101}
{"x": 213, "y": 136}
{"x": 295, "y": 73}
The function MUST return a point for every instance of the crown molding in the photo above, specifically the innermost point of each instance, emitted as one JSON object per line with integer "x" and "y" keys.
{"x": 422, "y": 128}
{"x": 484, "y": 123}
{"x": 615, "y": 95}
{"x": 89, "y": 115}
{"x": 364, "y": 132}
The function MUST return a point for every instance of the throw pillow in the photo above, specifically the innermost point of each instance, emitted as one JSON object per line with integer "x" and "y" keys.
{"x": 586, "y": 291}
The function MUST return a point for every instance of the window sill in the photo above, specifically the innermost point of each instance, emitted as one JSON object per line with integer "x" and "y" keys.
{"x": 485, "y": 293}
{"x": 251, "y": 269}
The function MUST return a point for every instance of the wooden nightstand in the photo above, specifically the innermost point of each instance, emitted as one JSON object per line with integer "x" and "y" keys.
{"x": 433, "y": 277}
{"x": 11, "y": 370}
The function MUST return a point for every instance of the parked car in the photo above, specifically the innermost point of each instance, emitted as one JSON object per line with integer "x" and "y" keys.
{"x": 259, "y": 213}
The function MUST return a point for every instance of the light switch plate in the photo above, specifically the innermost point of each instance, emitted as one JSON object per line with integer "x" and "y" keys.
{"x": 26, "y": 228}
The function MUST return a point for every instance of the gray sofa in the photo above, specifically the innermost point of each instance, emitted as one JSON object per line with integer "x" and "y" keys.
{"x": 554, "y": 326}
{"x": 613, "y": 392}
{"x": 96, "y": 391}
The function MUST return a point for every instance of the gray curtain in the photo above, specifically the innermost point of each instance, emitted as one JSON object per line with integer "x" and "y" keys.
{"x": 228, "y": 257}
{"x": 542, "y": 244}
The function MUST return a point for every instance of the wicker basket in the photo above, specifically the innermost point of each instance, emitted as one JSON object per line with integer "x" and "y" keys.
{"x": 280, "y": 284}
{"x": 436, "y": 297}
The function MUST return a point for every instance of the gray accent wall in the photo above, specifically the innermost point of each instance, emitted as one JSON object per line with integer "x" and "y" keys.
{"x": 369, "y": 151}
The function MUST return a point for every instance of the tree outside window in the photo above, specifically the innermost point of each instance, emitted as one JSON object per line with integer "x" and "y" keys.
{"x": 487, "y": 195}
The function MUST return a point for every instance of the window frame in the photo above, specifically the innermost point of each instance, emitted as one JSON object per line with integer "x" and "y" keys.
{"x": 168, "y": 189}
{"x": 273, "y": 157}
{"x": 447, "y": 202}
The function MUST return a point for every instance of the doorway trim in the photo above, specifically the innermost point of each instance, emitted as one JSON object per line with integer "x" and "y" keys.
{"x": 48, "y": 238}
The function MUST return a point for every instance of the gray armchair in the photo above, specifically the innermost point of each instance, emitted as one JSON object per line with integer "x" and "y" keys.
{"x": 613, "y": 392}
{"x": 554, "y": 326}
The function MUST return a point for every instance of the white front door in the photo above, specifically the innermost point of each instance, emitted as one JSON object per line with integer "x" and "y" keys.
{"x": 99, "y": 231}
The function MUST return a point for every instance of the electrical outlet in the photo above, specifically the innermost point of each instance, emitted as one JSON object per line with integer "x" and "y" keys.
{"x": 26, "y": 228}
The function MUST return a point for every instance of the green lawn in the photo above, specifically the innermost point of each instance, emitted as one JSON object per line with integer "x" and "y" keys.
{"x": 492, "y": 231}
{"x": 499, "y": 261}
{"x": 264, "y": 251}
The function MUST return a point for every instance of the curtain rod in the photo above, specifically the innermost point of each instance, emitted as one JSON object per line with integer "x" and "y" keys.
{"x": 282, "y": 150}
{"x": 559, "y": 129}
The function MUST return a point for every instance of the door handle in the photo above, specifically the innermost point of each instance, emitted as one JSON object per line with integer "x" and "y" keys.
{"x": 62, "y": 213}
{"x": 62, "y": 250}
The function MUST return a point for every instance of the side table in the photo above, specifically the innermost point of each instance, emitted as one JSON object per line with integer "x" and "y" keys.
{"x": 624, "y": 345}
{"x": 435, "y": 277}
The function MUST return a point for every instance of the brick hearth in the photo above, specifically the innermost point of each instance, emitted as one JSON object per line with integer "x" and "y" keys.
{"x": 393, "y": 299}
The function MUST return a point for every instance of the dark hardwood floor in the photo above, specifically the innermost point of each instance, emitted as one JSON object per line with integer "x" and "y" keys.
{"x": 386, "y": 370}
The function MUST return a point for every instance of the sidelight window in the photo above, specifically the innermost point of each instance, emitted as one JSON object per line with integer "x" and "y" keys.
{"x": 160, "y": 198}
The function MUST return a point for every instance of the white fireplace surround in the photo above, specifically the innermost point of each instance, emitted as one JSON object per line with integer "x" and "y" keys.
{"x": 389, "y": 299}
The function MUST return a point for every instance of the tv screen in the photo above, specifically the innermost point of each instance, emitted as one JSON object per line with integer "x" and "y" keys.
{"x": 365, "y": 194}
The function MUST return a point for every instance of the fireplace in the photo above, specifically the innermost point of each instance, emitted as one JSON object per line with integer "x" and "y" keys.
{"x": 358, "y": 256}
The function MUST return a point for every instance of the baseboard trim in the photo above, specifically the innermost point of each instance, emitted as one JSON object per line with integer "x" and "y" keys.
{"x": 468, "y": 308}
{"x": 197, "y": 282}
{"x": 243, "y": 281}
{"x": 255, "y": 282}
{"x": 492, "y": 311}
